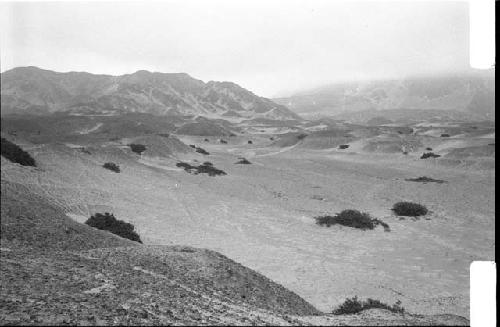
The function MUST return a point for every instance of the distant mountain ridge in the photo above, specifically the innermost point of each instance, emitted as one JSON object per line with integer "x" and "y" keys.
{"x": 32, "y": 90}
{"x": 472, "y": 93}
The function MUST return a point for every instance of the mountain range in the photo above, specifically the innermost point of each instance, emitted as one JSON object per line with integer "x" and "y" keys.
{"x": 31, "y": 90}
{"x": 471, "y": 94}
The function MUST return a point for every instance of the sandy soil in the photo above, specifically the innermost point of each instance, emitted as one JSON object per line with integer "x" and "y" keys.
{"x": 261, "y": 215}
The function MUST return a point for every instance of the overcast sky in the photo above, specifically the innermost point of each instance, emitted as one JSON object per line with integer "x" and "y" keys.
{"x": 269, "y": 47}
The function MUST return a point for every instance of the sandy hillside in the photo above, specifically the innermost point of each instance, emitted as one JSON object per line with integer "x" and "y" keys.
{"x": 261, "y": 215}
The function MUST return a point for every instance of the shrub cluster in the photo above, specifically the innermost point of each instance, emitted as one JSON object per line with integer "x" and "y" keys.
{"x": 15, "y": 154}
{"x": 207, "y": 140}
{"x": 243, "y": 161}
{"x": 425, "y": 179}
{"x": 353, "y": 305}
{"x": 223, "y": 141}
{"x": 202, "y": 151}
{"x": 205, "y": 168}
{"x": 429, "y": 155}
{"x": 352, "y": 218}
{"x": 301, "y": 136}
{"x": 108, "y": 222}
{"x": 137, "y": 148}
{"x": 250, "y": 142}
{"x": 193, "y": 146}
{"x": 445, "y": 135}
{"x": 410, "y": 209}
{"x": 112, "y": 166}
{"x": 343, "y": 146}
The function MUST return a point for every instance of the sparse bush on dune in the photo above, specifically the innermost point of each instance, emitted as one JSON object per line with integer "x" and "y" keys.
{"x": 429, "y": 155}
{"x": 353, "y": 306}
{"x": 343, "y": 146}
{"x": 250, "y": 142}
{"x": 137, "y": 148}
{"x": 202, "y": 151}
{"x": 164, "y": 134}
{"x": 223, "y": 141}
{"x": 445, "y": 135}
{"x": 205, "y": 168}
{"x": 243, "y": 161}
{"x": 410, "y": 209}
{"x": 15, "y": 154}
{"x": 352, "y": 218}
{"x": 108, "y": 222}
{"x": 207, "y": 140}
{"x": 301, "y": 136}
{"x": 193, "y": 146}
{"x": 112, "y": 166}
{"x": 425, "y": 179}
{"x": 428, "y": 149}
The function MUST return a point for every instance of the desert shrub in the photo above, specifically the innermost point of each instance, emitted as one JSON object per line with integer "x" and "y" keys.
{"x": 164, "y": 134}
{"x": 250, "y": 142}
{"x": 193, "y": 146}
{"x": 429, "y": 155}
{"x": 428, "y": 149}
{"x": 445, "y": 135}
{"x": 243, "y": 161}
{"x": 301, "y": 136}
{"x": 424, "y": 179}
{"x": 343, "y": 146}
{"x": 202, "y": 151}
{"x": 207, "y": 140}
{"x": 405, "y": 152}
{"x": 85, "y": 151}
{"x": 232, "y": 135}
{"x": 351, "y": 218}
{"x": 353, "y": 305}
{"x": 205, "y": 168}
{"x": 223, "y": 141}
{"x": 112, "y": 166}
{"x": 15, "y": 154}
{"x": 108, "y": 222}
{"x": 409, "y": 209}
{"x": 271, "y": 138}
{"x": 137, "y": 148}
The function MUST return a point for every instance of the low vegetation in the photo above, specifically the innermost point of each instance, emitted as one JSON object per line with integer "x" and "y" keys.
{"x": 108, "y": 222}
{"x": 243, "y": 161}
{"x": 112, "y": 166}
{"x": 193, "y": 146}
{"x": 137, "y": 148}
{"x": 207, "y": 140}
{"x": 343, "y": 146}
{"x": 301, "y": 136}
{"x": 202, "y": 151}
{"x": 15, "y": 154}
{"x": 205, "y": 168}
{"x": 352, "y": 218}
{"x": 250, "y": 142}
{"x": 429, "y": 155}
{"x": 223, "y": 141}
{"x": 428, "y": 149}
{"x": 445, "y": 135}
{"x": 409, "y": 209}
{"x": 353, "y": 305}
{"x": 164, "y": 134}
{"x": 425, "y": 179}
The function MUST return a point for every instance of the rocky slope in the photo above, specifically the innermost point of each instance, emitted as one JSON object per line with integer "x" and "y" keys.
{"x": 471, "y": 93}
{"x": 37, "y": 91}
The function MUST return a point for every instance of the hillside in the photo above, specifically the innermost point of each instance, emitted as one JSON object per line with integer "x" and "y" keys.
{"x": 471, "y": 94}
{"x": 31, "y": 90}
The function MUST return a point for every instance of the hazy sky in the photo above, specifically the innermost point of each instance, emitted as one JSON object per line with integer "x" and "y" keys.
{"x": 269, "y": 47}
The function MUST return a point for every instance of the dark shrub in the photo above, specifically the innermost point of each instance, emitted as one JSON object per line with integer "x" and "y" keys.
{"x": 232, "y": 135}
{"x": 243, "y": 161}
{"x": 205, "y": 168}
{"x": 108, "y": 222}
{"x": 207, "y": 140}
{"x": 445, "y": 135}
{"x": 250, "y": 142}
{"x": 425, "y": 179}
{"x": 193, "y": 146}
{"x": 112, "y": 166}
{"x": 409, "y": 209}
{"x": 164, "y": 134}
{"x": 15, "y": 154}
{"x": 137, "y": 148}
{"x": 351, "y": 218}
{"x": 428, "y": 149}
{"x": 223, "y": 141}
{"x": 301, "y": 136}
{"x": 353, "y": 305}
{"x": 202, "y": 151}
{"x": 429, "y": 155}
{"x": 271, "y": 138}
{"x": 85, "y": 151}
{"x": 343, "y": 146}
{"x": 405, "y": 152}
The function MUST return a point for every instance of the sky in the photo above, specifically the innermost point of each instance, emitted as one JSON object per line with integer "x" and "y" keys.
{"x": 271, "y": 47}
